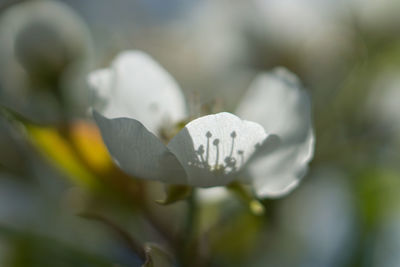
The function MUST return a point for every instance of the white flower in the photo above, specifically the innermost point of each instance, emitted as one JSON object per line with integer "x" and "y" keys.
{"x": 213, "y": 150}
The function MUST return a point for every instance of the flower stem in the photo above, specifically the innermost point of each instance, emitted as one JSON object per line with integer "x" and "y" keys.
{"x": 189, "y": 254}
{"x": 191, "y": 215}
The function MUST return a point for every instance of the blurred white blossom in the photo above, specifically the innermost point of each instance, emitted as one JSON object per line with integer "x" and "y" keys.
{"x": 139, "y": 103}
{"x": 44, "y": 52}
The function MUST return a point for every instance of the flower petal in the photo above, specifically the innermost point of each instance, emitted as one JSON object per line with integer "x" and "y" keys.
{"x": 278, "y": 173}
{"x": 214, "y": 149}
{"x": 138, "y": 152}
{"x": 136, "y": 86}
{"x": 277, "y": 101}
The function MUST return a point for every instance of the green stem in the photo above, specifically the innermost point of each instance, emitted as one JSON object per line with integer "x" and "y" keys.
{"x": 189, "y": 249}
{"x": 191, "y": 215}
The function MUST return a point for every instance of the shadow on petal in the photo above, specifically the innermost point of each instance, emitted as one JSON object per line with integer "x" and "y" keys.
{"x": 139, "y": 152}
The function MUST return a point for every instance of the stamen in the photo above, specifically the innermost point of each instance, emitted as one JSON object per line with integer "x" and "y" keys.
{"x": 208, "y": 135}
{"x": 216, "y": 144}
{"x": 200, "y": 152}
{"x": 230, "y": 163}
{"x": 233, "y": 136}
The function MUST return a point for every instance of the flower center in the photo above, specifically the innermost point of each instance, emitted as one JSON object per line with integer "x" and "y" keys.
{"x": 207, "y": 159}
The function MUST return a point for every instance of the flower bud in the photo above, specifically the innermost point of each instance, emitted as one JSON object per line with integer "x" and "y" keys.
{"x": 44, "y": 49}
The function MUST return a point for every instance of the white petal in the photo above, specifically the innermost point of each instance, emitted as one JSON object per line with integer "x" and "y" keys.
{"x": 214, "y": 149}
{"x": 277, "y": 101}
{"x": 278, "y": 173}
{"x": 138, "y": 152}
{"x": 136, "y": 86}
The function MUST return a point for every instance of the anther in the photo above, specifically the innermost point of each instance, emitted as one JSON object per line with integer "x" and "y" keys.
{"x": 233, "y": 135}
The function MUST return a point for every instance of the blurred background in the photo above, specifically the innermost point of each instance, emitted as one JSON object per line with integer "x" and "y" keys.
{"x": 63, "y": 202}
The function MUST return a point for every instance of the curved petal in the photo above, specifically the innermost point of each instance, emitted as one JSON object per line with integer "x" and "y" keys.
{"x": 214, "y": 149}
{"x": 277, "y": 101}
{"x": 136, "y": 86}
{"x": 278, "y": 173}
{"x": 138, "y": 152}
